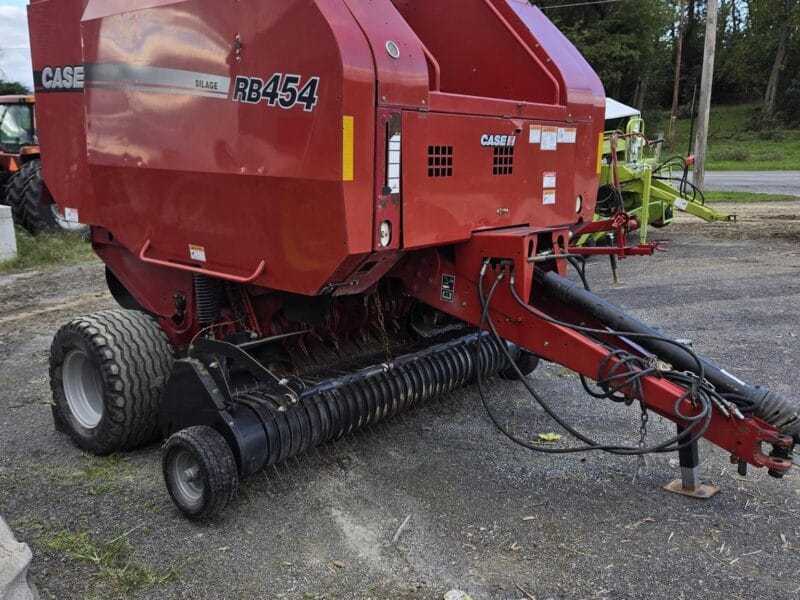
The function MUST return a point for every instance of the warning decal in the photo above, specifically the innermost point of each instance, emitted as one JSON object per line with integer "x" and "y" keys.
{"x": 567, "y": 135}
{"x": 535, "y": 134}
{"x": 549, "y": 180}
{"x": 549, "y": 138}
{"x": 197, "y": 253}
{"x": 549, "y": 197}
{"x": 448, "y": 288}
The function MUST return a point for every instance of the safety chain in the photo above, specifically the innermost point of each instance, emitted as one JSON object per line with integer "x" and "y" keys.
{"x": 382, "y": 324}
{"x": 641, "y": 460}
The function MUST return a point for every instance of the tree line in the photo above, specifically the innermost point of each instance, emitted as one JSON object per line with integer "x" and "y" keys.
{"x": 634, "y": 44}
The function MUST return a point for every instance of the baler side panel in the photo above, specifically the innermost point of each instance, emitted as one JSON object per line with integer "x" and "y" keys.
{"x": 456, "y": 183}
{"x": 60, "y": 118}
{"x": 402, "y": 81}
{"x": 245, "y": 181}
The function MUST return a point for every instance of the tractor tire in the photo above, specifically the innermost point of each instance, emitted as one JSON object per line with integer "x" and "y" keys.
{"x": 526, "y": 362}
{"x": 107, "y": 373}
{"x": 200, "y": 471}
{"x": 24, "y": 195}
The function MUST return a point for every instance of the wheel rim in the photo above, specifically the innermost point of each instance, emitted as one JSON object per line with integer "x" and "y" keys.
{"x": 83, "y": 389}
{"x": 186, "y": 477}
{"x": 61, "y": 220}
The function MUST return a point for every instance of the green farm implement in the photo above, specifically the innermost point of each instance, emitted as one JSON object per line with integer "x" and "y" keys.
{"x": 634, "y": 180}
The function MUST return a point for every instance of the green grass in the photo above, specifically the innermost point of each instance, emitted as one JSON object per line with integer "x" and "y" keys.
{"x": 47, "y": 249}
{"x": 748, "y": 197}
{"x": 113, "y": 561}
{"x": 731, "y": 146}
{"x": 97, "y": 475}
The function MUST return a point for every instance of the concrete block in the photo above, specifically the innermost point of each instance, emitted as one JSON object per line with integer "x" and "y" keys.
{"x": 15, "y": 583}
{"x": 8, "y": 241}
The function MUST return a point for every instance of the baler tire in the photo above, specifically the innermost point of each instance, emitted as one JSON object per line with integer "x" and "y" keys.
{"x": 116, "y": 363}
{"x": 24, "y": 196}
{"x": 526, "y": 362}
{"x": 206, "y": 491}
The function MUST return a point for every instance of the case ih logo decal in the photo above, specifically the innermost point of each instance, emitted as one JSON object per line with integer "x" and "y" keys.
{"x": 67, "y": 78}
{"x": 487, "y": 139}
{"x": 281, "y": 89}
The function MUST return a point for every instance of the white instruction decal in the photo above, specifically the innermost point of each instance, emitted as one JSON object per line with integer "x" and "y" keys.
{"x": 535, "y": 134}
{"x": 680, "y": 203}
{"x": 197, "y": 253}
{"x": 549, "y": 180}
{"x": 71, "y": 215}
{"x": 567, "y": 135}
{"x": 549, "y": 138}
{"x": 549, "y": 197}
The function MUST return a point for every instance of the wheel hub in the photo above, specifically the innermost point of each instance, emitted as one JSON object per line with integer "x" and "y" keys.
{"x": 186, "y": 475}
{"x": 83, "y": 389}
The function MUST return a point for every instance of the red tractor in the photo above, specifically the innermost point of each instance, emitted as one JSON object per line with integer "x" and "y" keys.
{"x": 305, "y": 211}
{"x": 21, "y": 185}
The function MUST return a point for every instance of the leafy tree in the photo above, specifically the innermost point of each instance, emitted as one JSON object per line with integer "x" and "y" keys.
{"x": 12, "y": 88}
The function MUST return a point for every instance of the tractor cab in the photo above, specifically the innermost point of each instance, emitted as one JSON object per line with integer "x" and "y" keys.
{"x": 17, "y": 133}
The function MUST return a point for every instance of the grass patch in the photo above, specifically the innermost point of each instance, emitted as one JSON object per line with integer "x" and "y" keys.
{"x": 99, "y": 474}
{"x": 732, "y": 146}
{"x": 114, "y": 561}
{"x": 748, "y": 197}
{"x": 47, "y": 249}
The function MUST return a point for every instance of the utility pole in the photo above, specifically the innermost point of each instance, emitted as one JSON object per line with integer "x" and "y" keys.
{"x": 705, "y": 95}
{"x": 676, "y": 88}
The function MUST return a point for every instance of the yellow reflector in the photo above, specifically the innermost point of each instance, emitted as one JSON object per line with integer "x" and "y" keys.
{"x": 600, "y": 155}
{"x": 347, "y": 148}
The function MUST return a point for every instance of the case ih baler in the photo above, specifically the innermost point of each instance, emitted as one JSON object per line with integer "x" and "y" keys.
{"x": 306, "y": 207}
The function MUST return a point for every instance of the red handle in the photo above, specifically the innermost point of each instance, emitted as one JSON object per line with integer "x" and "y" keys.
{"x": 218, "y": 274}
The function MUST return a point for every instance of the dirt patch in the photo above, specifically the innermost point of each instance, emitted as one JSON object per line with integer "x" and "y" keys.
{"x": 754, "y": 221}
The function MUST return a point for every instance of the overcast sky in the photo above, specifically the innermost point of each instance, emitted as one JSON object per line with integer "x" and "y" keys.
{"x": 15, "y": 61}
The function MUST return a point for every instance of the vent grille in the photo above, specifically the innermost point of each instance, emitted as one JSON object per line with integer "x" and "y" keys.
{"x": 440, "y": 161}
{"x": 503, "y": 162}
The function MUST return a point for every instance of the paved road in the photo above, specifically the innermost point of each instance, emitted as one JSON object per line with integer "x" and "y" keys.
{"x": 767, "y": 182}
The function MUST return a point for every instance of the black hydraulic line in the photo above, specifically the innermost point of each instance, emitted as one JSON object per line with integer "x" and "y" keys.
{"x": 766, "y": 404}
{"x": 696, "y": 424}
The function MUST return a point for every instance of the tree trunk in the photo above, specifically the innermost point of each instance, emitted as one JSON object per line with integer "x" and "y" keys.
{"x": 771, "y": 94}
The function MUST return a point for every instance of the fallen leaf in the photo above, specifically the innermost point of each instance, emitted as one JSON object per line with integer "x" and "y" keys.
{"x": 549, "y": 437}
{"x": 338, "y": 563}
{"x": 529, "y": 518}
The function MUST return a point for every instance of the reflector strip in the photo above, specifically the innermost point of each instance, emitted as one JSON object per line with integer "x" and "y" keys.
{"x": 600, "y": 155}
{"x": 347, "y": 147}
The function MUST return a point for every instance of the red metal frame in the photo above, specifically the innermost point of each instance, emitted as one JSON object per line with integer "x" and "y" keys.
{"x": 422, "y": 273}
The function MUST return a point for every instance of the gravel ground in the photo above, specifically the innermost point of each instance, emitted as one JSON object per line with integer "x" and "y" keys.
{"x": 485, "y": 516}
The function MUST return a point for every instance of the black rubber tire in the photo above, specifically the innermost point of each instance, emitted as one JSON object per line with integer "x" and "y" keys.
{"x": 24, "y": 195}
{"x": 526, "y": 362}
{"x": 218, "y": 471}
{"x": 133, "y": 360}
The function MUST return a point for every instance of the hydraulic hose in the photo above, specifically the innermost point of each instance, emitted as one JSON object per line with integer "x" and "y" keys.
{"x": 768, "y": 405}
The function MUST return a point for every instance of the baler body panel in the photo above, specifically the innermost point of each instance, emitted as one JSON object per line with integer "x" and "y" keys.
{"x": 185, "y": 160}
{"x": 61, "y": 122}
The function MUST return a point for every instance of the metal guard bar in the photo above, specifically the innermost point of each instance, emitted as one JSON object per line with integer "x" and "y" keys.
{"x": 199, "y": 270}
